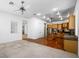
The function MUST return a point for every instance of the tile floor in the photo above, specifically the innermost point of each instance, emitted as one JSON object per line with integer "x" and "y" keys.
{"x": 26, "y": 49}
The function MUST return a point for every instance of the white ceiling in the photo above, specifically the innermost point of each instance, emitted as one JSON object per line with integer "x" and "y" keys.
{"x": 39, "y": 6}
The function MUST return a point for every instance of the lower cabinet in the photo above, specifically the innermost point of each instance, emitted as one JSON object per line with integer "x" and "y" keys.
{"x": 71, "y": 46}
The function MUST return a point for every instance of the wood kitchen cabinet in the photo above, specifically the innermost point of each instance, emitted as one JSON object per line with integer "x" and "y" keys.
{"x": 72, "y": 22}
{"x": 71, "y": 45}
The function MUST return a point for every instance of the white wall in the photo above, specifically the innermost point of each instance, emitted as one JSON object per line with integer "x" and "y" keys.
{"x": 35, "y": 28}
{"x": 77, "y": 22}
{"x": 5, "y": 27}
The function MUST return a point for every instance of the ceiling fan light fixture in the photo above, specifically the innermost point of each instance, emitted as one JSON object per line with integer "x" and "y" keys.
{"x": 22, "y": 2}
{"x": 22, "y": 9}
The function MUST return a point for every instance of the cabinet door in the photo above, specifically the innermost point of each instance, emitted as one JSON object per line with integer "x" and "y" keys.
{"x": 70, "y": 46}
{"x": 72, "y": 22}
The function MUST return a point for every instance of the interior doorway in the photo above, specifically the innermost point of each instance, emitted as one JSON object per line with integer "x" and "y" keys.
{"x": 24, "y": 30}
{"x": 45, "y": 30}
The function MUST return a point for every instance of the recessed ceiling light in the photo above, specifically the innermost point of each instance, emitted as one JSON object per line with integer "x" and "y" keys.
{"x": 38, "y": 14}
{"x": 55, "y": 9}
{"x": 44, "y": 17}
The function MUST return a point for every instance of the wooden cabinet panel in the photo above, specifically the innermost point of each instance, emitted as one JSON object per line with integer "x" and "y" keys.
{"x": 59, "y": 26}
{"x": 70, "y": 46}
{"x": 54, "y": 26}
{"x": 50, "y": 26}
{"x": 72, "y": 22}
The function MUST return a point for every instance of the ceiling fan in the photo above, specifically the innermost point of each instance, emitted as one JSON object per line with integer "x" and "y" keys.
{"x": 22, "y": 8}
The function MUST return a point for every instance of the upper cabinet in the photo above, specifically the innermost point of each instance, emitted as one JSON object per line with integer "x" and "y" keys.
{"x": 50, "y": 26}
{"x": 72, "y": 22}
{"x": 69, "y": 25}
